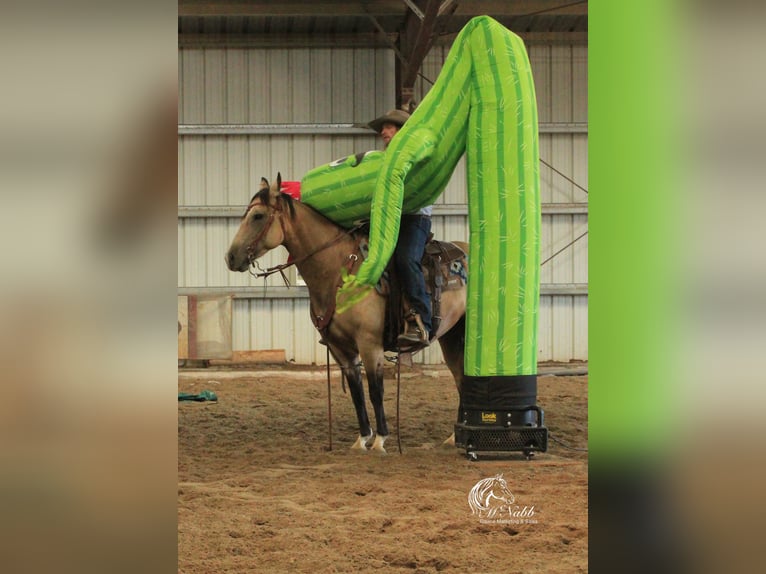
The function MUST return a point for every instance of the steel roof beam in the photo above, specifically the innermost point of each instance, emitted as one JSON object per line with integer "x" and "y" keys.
{"x": 376, "y": 7}
{"x": 522, "y": 8}
{"x": 417, "y": 39}
{"x": 331, "y": 9}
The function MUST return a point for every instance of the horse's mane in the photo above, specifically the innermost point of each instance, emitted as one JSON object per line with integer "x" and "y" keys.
{"x": 289, "y": 200}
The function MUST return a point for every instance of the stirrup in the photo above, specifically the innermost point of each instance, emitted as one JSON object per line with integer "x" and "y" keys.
{"x": 416, "y": 336}
{"x": 414, "y": 333}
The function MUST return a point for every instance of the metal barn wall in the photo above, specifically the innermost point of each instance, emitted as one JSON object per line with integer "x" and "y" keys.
{"x": 219, "y": 171}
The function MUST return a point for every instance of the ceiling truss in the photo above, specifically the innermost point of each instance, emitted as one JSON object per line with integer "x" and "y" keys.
{"x": 410, "y": 28}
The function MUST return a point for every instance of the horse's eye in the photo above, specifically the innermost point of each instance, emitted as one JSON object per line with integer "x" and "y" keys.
{"x": 257, "y": 216}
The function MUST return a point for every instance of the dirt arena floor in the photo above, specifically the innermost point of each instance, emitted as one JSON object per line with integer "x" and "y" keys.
{"x": 259, "y": 491}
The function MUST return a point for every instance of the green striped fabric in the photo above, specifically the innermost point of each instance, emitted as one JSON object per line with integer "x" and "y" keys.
{"x": 342, "y": 190}
{"x": 483, "y": 104}
{"x": 504, "y": 209}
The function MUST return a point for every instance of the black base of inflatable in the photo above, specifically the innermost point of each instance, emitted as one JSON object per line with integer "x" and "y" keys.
{"x": 498, "y": 416}
{"x": 498, "y": 440}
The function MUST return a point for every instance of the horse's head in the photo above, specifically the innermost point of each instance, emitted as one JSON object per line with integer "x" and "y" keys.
{"x": 261, "y": 228}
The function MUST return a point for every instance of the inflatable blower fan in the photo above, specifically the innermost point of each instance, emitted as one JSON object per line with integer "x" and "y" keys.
{"x": 499, "y": 415}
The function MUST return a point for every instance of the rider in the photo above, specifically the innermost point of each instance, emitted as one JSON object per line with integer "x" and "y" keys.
{"x": 413, "y": 235}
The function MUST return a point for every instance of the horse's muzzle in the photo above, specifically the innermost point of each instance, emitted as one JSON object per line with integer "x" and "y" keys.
{"x": 233, "y": 265}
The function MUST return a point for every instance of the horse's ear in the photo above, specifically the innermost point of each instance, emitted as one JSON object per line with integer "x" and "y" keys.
{"x": 279, "y": 181}
{"x": 264, "y": 183}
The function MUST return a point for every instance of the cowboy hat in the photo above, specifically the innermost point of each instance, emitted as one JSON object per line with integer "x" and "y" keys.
{"x": 396, "y": 117}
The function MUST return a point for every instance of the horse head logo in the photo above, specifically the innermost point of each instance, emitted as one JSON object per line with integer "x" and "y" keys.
{"x": 490, "y": 496}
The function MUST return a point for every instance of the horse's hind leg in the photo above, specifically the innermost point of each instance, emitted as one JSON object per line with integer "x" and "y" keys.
{"x": 452, "y": 344}
{"x": 353, "y": 372}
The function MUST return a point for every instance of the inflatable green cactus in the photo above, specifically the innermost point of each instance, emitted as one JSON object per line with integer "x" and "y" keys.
{"x": 482, "y": 104}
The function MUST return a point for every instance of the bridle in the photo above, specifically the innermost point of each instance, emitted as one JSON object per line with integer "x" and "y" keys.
{"x": 250, "y": 251}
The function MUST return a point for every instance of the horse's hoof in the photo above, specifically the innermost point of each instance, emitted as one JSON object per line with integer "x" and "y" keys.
{"x": 377, "y": 446}
{"x": 450, "y": 441}
{"x": 361, "y": 443}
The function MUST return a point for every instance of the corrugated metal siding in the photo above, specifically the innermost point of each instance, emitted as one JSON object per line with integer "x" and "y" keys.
{"x": 350, "y": 86}
{"x": 284, "y": 86}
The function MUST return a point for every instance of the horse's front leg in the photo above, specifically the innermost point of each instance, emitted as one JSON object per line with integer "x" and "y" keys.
{"x": 373, "y": 363}
{"x": 353, "y": 373}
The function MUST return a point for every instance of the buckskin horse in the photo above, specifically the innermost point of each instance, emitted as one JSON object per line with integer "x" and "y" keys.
{"x": 322, "y": 251}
